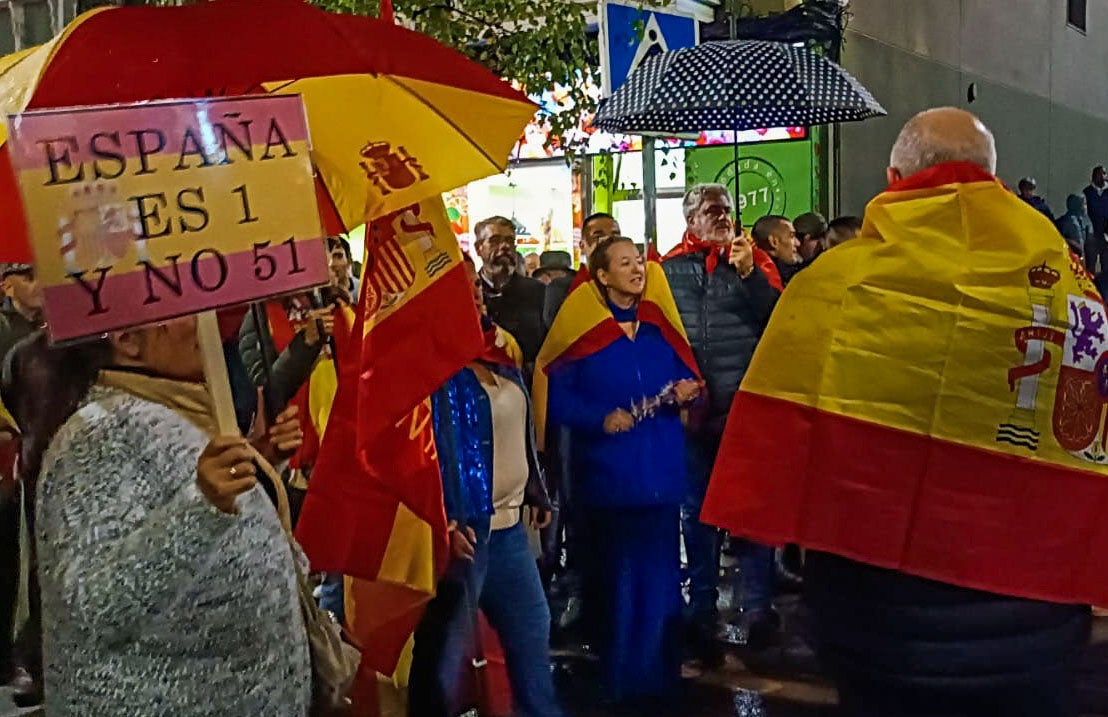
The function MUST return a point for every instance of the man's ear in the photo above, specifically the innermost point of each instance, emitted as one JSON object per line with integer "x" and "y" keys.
{"x": 893, "y": 175}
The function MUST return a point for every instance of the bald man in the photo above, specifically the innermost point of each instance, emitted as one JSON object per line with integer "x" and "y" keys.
{"x": 898, "y": 645}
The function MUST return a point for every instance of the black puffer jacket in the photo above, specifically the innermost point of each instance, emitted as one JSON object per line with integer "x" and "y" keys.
{"x": 889, "y": 628}
{"x": 724, "y": 317}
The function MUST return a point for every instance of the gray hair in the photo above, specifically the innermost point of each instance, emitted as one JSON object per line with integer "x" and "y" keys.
{"x": 480, "y": 227}
{"x": 944, "y": 134}
{"x": 695, "y": 197}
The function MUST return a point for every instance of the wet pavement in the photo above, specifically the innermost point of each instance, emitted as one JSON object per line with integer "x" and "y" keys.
{"x": 777, "y": 682}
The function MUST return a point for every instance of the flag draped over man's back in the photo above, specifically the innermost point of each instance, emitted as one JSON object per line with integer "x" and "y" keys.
{"x": 930, "y": 397}
{"x": 374, "y": 506}
{"x": 584, "y": 325}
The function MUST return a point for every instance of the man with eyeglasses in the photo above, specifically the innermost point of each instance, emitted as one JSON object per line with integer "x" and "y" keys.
{"x": 513, "y": 301}
{"x": 725, "y": 301}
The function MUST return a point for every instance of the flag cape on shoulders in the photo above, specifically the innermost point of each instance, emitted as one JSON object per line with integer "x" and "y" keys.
{"x": 585, "y": 325}
{"x": 930, "y": 397}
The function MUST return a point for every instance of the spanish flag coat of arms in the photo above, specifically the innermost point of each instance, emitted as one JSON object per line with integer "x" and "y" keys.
{"x": 932, "y": 397}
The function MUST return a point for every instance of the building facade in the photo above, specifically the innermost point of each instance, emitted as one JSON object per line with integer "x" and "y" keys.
{"x": 1033, "y": 70}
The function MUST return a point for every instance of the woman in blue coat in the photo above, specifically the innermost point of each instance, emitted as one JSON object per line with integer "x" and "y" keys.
{"x": 622, "y": 403}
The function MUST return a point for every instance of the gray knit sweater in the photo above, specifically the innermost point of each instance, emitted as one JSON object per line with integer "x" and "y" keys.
{"x": 154, "y": 602}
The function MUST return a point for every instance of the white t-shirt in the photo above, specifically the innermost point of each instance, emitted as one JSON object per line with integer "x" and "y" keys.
{"x": 509, "y": 450}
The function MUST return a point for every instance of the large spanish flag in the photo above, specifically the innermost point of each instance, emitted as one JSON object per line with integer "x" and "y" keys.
{"x": 374, "y": 507}
{"x": 930, "y": 397}
{"x": 585, "y": 325}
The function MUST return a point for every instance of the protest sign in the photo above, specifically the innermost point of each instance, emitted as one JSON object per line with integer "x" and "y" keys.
{"x": 139, "y": 213}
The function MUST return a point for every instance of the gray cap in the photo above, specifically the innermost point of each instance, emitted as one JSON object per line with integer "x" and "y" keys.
{"x": 554, "y": 261}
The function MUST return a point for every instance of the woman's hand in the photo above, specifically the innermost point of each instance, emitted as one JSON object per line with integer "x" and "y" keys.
{"x": 538, "y": 518}
{"x": 285, "y": 436}
{"x": 618, "y": 421}
{"x": 225, "y": 471}
{"x": 463, "y": 542}
{"x": 687, "y": 391}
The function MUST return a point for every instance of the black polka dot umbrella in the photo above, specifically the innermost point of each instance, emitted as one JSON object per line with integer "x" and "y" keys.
{"x": 735, "y": 85}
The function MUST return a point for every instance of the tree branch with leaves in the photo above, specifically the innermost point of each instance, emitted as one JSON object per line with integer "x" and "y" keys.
{"x": 543, "y": 48}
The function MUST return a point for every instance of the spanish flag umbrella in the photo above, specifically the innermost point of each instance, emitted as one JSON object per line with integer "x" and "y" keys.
{"x": 396, "y": 117}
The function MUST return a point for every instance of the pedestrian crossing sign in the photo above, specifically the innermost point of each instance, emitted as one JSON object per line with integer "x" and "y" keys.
{"x": 630, "y": 32}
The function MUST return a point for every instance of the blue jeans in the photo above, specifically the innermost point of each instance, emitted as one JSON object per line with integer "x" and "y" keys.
{"x": 503, "y": 580}
{"x": 757, "y": 571}
{"x": 701, "y": 541}
{"x": 702, "y": 545}
{"x": 331, "y": 595}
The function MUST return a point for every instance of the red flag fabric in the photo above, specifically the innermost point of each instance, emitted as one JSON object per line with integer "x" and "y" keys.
{"x": 715, "y": 253}
{"x": 387, "y": 13}
{"x": 374, "y": 507}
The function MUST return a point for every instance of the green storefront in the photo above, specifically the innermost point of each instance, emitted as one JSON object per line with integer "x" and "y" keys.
{"x": 777, "y": 177}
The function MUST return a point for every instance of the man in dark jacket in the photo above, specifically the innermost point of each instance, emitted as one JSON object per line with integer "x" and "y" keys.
{"x": 1027, "y": 187}
{"x": 19, "y": 318}
{"x": 1096, "y": 199}
{"x": 776, "y": 236}
{"x": 513, "y": 301}
{"x": 725, "y": 302}
{"x": 565, "y": 534}
{"x": 899, "y": 645}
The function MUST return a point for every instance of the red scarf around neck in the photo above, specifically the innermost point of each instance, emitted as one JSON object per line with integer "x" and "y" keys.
{"x": 717, "y": 253}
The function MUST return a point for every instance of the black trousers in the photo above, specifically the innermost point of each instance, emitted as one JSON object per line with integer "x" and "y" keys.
{"x": 26, "y": 649}
{"x": 9, "y": 572}
{"x": 1053, "y": 696}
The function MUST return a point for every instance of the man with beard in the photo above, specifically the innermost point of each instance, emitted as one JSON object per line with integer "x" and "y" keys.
{"x": 725, "y": 301}
{"x": 513, "y": 301}
{"x": 776, "y": 236}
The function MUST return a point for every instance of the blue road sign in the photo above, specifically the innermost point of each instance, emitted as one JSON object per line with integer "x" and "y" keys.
{"x": 630, "y": 33}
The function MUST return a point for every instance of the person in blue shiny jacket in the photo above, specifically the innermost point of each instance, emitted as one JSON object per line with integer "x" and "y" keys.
{"x": 623, "y": 405}
{"x": 493, "y": 491}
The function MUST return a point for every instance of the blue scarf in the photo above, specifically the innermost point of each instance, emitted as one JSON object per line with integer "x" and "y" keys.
{"x": 624, "y": 316}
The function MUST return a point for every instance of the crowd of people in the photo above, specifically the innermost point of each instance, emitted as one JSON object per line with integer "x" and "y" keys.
{"x": 164, "y": 549}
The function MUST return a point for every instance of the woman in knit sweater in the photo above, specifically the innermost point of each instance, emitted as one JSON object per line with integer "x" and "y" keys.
{"x": 168, "y": 582}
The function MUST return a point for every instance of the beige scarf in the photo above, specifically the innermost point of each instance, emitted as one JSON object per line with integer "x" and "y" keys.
{"x": 191, "y": 401}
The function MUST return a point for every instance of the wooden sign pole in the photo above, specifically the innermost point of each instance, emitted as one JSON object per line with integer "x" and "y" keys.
{"x": 215, "y": 373}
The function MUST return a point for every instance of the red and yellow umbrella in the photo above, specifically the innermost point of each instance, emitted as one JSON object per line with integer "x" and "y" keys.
{"x": 395, "y": 116}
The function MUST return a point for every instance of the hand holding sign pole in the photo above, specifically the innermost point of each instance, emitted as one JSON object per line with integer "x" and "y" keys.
{"x": 140, "y": 213}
